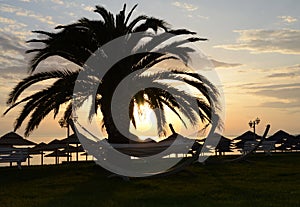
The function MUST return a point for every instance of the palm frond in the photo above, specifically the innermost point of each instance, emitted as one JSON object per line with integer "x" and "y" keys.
{"x": 129, "y": 14}
{"x": 36, "y": 78}
{"x": 107, "y": 16}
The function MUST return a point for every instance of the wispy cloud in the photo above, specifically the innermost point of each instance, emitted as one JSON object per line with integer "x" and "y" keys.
{"x": 280, "y": 104}
{"x": 284, "y": 75}
{"x": 202, "y": 17}
{"x": 286, "y": 95}
{"x": 285, "y": 41}
{"x": 58, "y": 2}
{"x": 219, "y": 64}
{"x": 7, "y": 20}
{"x": 271, "y": 86}
{"x": 288, "y": 19}
{"x": 186, "y": 6}
{"x": 287, "y": 72}
{"x": 89, "y": 8}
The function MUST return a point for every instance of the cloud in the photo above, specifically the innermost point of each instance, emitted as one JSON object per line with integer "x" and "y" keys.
{"x": 280, "y": 104}
{"x": 186, "y": 6}
{"x": 202, "y": 17}
{"x": 288, "y": 72}
{"x": 297, "y": 67}
{"x": 284, "y": 75}
{"x": 12, "y": 58}
{"x": 26, "y": 13}
{"x": 7, "y": 20}
{"x": 285, "y": 41}
{"x": 12, "y": 26}
{"x": 89, "y": 8}
{"x": 219, "y": 64}
{"x": 271, "y": 86}
{"x": 8, "y": 8}
{"x": 11, "y": 43}
{"x": 288, "y": 19}
{"x": 282, "y": 95}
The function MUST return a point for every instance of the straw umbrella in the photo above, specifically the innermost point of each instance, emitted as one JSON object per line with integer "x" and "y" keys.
{"x": 72, "y": 149}
{"x": 224, "y": 144}
{"x": 286, "y": 140}
{"x": 55, "y": 145}
{"x": 57, "y": 153}
{"x": 12, "y": 139}
{"x": 247, "y": 136}
{"x": 39, "y": 149}
{"x": 282, "y": 137}
{"x": 72, "y": 139}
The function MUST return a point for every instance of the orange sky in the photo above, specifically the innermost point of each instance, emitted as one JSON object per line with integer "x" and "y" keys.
{"x": 254, "y": 45}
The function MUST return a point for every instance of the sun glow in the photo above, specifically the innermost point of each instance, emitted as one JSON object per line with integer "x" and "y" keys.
{"x": 145, "y": 122}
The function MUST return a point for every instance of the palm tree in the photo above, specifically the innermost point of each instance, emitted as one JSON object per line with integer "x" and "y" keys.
{"x": 78, "y": 41}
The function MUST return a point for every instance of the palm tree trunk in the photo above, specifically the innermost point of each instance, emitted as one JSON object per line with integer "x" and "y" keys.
{"x": 116, "y": 134}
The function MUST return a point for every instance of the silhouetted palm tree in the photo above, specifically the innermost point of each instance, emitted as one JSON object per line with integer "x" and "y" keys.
{"x": 77, "y": 42}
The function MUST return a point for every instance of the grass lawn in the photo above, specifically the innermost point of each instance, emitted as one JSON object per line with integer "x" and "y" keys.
{"x": 264, "y": 181}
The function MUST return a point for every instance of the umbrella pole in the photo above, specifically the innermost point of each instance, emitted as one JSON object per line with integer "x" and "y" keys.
{"x": 42, "y": 158}
{"x": 68, "y": 135}
{"x": 56, "y": 161}
{"x": 28, "y": 161}
{"x": 77, "y": 152}
{"x": 68, "y": 152}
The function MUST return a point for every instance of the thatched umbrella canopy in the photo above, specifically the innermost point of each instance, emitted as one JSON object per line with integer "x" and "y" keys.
{"x": 282, "y": 137}
{"x": 57, "y": 154}
{"x": 54, "y": 145}
{"x": 247, "y": 136}
{"x": 72, "y": 139}
{"x": 39, "y": 149}
{"x": 73, "y": 149}
{"x": 224, "y": 145}
{"x": 13, "y": 139}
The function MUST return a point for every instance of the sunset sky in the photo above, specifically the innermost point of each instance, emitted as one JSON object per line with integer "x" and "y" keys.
{"x": 255, "y": 46}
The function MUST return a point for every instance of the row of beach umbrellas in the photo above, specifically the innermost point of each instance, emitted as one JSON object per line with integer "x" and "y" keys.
{"x": 56, "y": 148}
{"x": 64, "y": 148}
{"x": 284, "y": 141}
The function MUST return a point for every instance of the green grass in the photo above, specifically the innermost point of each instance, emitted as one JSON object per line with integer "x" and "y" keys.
{"x": 265, "y": 181}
